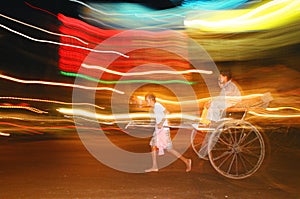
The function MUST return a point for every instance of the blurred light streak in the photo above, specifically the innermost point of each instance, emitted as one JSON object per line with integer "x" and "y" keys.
{"x": 33, "y": 129}
{"x": 58, "y": 84}
{"x": 78, "y": 117}
{"x": 37, "y": 8}
{"x": 212, "y": 5}
{"x": 5, "y": 134}
{"x": 43, "y": 30}
{"x": 250, "y": 45}
{"x": 138, "y": 10}
{"x": 71, "y": 60}
{"x": 61, "y": 44}
{"x": 119, "y": 15}
{"x": 25, "y": 128}
{"x": 165, "y": 101}
{"x": 38, "y": 119}
{"x": 274, "y": 115}
{"x": 36, "y": 129}
{"x": 35, "y": 110}
{"x": 82, "y": 26}
{"x": 93, "y": 20}
{"x": 283, "y": 108}
{"x": 146, "y": 72}
{"x": 49, "y": 101}
{"x": 126, "y": 81}
{"x": 269, "y": 15}
{"x": 116, "y": 117}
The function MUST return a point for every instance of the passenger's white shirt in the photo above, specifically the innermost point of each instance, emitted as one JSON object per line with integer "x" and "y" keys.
{"x": 229, "y": 96}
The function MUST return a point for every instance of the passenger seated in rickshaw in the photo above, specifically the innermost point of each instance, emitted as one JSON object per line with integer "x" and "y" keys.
{"x": 228, "y": 97}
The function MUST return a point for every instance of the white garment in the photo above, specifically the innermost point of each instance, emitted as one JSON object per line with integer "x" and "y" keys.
{"x": 159, "y": 113}
{"x": 162, "y": 140}
{"x": 229, "y": 96}
{"x": 161, "y": 137}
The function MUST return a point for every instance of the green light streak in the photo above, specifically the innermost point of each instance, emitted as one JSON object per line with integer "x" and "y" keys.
{"x": 125, "y": 81}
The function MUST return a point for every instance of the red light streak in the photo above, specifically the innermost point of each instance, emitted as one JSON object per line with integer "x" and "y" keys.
{"x": 71, "y": 60}
{"x": 37, "y": 8}
{"x": 25, "y": 128}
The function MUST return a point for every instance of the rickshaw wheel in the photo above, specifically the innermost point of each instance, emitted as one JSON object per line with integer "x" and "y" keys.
{"x": 236, "y": 149}
{"x": 198, "y": 143}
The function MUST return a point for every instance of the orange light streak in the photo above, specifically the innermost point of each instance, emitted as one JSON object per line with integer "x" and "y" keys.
{"x": 35, "y": 110}
{"x": 36, "y": 119}
{"x": 33, "y": 129}
{"x": 50, "y": 101}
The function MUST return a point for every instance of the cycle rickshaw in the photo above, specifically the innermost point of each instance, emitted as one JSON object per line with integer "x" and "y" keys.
{"x": 235, "y": 148}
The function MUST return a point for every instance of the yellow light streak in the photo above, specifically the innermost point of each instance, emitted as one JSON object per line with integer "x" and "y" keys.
{"x": 270, "y": 15}
{"x": 274, "y": 115}
{"x": 146, "y": 72}
{"x": 283, "y": 108}
{"x": 58, "y": 84}
{"x": 251, "y": 96}
{"x": 114, "y": 117}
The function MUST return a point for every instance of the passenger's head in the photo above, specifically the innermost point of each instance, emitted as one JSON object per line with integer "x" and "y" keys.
{"x": 150, "y": 99}
{"x": 226, "y": 73}
{"x": 225, "y": 76}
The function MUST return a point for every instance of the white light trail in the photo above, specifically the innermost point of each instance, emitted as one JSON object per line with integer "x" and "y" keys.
{"x": 125, "y": 116}
{"x": 58, "y": 84}
{"x": 62, "y": 44}
{"x": 43, "y": 30}
{"x": 5, "y": 134}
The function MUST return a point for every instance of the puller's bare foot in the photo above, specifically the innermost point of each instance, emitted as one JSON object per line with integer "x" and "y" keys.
{"x": 188, "y": 165}
{"x": 151, "y": 170}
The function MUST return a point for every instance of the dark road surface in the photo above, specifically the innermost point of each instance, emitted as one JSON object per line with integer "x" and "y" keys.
{"x": 59, "y": 166}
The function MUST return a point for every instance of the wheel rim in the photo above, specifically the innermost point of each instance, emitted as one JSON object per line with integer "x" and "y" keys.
{"x": 198, "y": 144}
{"x": 237, "y": 149}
